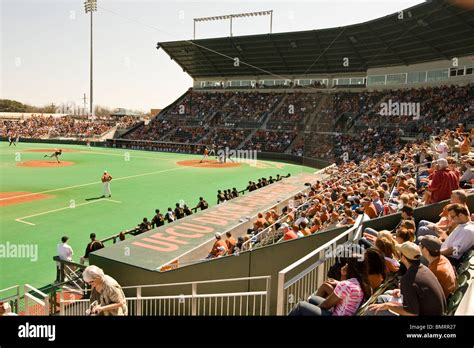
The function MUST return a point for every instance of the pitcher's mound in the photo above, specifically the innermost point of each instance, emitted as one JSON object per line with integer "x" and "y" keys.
{"x": 207, "y": 164}
{"x": 44, "y": 164}
{"x": 10, "y": 198}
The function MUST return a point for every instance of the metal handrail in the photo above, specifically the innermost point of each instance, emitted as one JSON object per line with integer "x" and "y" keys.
{"x": 15, "y": 297}
{"x": 282, "y": 285}
{"x": 28, "y": 295}
{"x": 268, "y": 228}
{"x": 196, "y": 282}
{"x": 194, "y": 296}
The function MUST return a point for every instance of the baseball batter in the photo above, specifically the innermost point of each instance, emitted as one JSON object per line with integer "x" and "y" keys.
{"x": 106, "y": 179}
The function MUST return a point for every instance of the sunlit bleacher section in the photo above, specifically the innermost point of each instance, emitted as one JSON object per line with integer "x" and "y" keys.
{"x": 58, "y": 126}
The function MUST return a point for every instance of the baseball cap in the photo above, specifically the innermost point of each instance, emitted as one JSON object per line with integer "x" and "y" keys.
{"x": 410, "y": 250}
{"x": 105, "y": 172}
{"x": 432, "y": 243}
{"x": 284, "y": 225}
{"x": 217, "y": 235}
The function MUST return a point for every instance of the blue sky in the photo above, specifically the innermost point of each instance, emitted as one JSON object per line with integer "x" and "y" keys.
{"x": 44, "y": 45}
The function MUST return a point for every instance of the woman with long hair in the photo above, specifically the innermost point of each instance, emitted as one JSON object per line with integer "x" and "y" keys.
{"x": 347, "y": 296}
{"x": 386, "y": 245}
{"x": 376, "y": 267}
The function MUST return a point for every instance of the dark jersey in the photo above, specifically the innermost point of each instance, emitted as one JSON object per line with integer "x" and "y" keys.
{"x": 158, "y": 220}
{"x": 220, "y": 198}
{"x": 179, "y": 213}
{"x": 203, "y": 205}
{"x": 93, "y": 246}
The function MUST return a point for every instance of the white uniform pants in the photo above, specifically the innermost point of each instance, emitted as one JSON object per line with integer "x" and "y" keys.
{"x": 107, "y": 189}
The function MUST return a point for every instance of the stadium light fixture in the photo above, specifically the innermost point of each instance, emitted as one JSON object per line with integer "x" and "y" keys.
{"x": 90, "y": 6}
{"x": 231, "y": 17}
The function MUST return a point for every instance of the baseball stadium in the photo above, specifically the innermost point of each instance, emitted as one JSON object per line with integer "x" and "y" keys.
{"x": 325, "y": 172}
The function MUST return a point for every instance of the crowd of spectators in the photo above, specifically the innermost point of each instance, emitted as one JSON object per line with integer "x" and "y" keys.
{"x": 199, "y": 105}
{"x": 295, "y": 108}
{"x": 226, "y": 137}
{"x": 250, "y": 106}
{"x": 418, "y": 174}
{"x": 442, "y": 105}
{"x": 157, "y": 146}
{"x": 156, "y": 129}
{"x": 270, "y": 141}
{"x": 187, "y": 134}
{"x": 44, "y": 127}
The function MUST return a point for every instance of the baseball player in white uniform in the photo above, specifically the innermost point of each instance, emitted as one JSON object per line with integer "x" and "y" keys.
{"x": 106, "y": 179}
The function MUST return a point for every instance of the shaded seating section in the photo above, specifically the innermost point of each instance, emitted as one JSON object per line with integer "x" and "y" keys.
{"x": 464, "y": 269}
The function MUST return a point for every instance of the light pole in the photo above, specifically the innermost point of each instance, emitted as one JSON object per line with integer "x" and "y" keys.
{"x": 232, "y": 16}
{"x": 91, "y": 6}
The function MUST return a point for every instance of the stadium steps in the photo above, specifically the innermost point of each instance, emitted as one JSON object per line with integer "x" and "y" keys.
{"x": 208, "y": 119}
{"x": 204, "y": 137}
{"x": 355, "y": 124}
{"x": 270, "y": 114}
{"x": 167, "y": 136}
{"x": 110, "y": 134}
{"x": 250, "y": 136}
{"x": 121, "y": 134}
{"x": 164, "y": 113}
{"x": 308, "y": 122}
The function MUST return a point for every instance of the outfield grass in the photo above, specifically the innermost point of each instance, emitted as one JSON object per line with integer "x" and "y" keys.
{"x": 147, "y": 181}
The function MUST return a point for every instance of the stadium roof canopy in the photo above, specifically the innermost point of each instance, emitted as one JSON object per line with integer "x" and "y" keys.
{"x": 434, "y": 30}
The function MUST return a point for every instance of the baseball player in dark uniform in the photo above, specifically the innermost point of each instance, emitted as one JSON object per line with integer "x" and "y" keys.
{"x": 55, "y": 154}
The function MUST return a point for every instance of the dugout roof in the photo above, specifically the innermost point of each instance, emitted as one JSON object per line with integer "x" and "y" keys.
{"x": 434, "y": 30}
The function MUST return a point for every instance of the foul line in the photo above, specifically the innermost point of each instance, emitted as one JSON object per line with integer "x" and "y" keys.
{"x": 92, "y": 183}
{"x": 55, "y": 210}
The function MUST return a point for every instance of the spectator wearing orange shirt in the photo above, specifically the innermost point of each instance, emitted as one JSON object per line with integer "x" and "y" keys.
{"x": 217, "y": 247}
{"x": 304, "y": 229}
{"x": 316, "y": 225}
{"x": 369, "y": 207}
{"x": 438, "y": 264}
{"x": 324, "y": 214}
{"x": 465, "y": 146}
{"x": 288, "y": 234}
{"x": 261, "y": 222}
{"x": 230, "y": 243}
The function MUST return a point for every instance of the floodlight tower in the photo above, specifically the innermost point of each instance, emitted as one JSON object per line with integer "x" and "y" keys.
{"x": 90, "y": 6}
{"x": 231, "y": 17}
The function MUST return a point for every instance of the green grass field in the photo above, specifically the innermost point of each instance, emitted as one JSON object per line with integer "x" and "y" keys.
{"x": 149, "y": 180}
